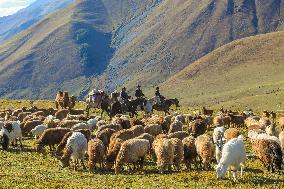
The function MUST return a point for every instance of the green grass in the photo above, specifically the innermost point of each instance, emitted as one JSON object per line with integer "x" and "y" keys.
{"x": 27, "y": 169}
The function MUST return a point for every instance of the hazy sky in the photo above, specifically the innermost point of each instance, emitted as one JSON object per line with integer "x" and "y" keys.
{"x": 8, "y": 7}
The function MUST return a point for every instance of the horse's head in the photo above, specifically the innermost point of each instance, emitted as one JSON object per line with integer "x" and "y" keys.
{"x": 176, "y": 102}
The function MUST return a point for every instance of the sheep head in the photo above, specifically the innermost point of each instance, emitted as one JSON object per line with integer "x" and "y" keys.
{"x": 221, "y": 171}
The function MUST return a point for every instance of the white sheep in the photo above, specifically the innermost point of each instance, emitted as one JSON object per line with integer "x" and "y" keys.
{"x": 38, "y": 130}
{"x": 233, "y": 158}
{"x": 93, "y": 122}
{"x": 10, "y": 133}
{"x": 75, "y": 149}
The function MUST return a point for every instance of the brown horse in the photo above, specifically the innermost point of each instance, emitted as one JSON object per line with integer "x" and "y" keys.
{"x": 165, "y": 106}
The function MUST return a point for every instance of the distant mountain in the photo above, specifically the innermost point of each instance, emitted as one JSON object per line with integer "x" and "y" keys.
{"x": 13, "y": 24}
{"x": 245, "y": 73}
{"x": 64, "y": 50}
{"x": 179, "y": 32}
{"x": 113, "y": 43}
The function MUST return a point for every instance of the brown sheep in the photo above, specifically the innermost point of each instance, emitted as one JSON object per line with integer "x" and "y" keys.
{"x": 231, "y": 133}
{"x": 179, "y": 152}
{"x": 51, "y": 137}
{"x": 166, "y": 123}
{"x": 22, "y": 115}
{"x": 137, "y": 130}
{"x": 96, "y": 150}
{"x": 164, "y": 150}
{"x": 135, "y": 121}
{"x": 281, "y": 122}
{"x": 205, "y": 149}
{"x": 61, "y": 114}
{"x": 190, "y": 153}
{"x": 105, "y": 135}
{"x": 180, "y": 135}
{"x": 197, "y": 127}
{"x": 207, "y": 112}
{"x": 132, "y": 151}
{"x": 123, "y": 134}
{"x": 237, "y": 120}
{"x": 218, "y": 121}
{"x": 115, "y": 127}
{"x": 175, "y": 126}
{"x": 268, "y": 152}
{"x": 148, "y": 137}
{"x": 68, "y": 123}
{"x": 281, "y": 138}
{"x": 153, "y": 129}
{"x": 112, "y": 152}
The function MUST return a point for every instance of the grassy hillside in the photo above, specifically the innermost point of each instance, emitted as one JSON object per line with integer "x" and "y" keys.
{"x": 176, "y": 33}
{"x": 247, "y": 72}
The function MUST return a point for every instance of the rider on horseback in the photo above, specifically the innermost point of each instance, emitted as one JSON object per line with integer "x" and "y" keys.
{"x": 158, "y": 94}
{"x": 140, "y": 96}
{"x": 124, "y": 98}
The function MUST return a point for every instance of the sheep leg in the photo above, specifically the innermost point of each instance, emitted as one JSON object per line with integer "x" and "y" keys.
{"x": 21, "y": 142}
{"x": 83, "y": 165}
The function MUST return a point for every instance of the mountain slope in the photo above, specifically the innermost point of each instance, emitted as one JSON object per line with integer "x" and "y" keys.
{"x": 63, "y": 50}
{"x": 179, "y": 32}
{"x": 247, "y": 72}
{"x": 13, "y": 24}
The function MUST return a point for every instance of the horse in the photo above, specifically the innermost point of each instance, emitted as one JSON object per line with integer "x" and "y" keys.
{"x": 102, "y": 101}
{"x": 131, "y": 106}
{"x": 165, "y": 106}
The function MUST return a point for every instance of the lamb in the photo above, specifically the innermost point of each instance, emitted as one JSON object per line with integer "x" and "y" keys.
{"x": 164, "y": 150}
{"x": 233, "y": 157}
{"x": 190, "y": 153}
{"x": 175, "y": 126}
{"x": 205, "y": 149}
{"x": 218, "y": 139}
{"x": 75, "y": 149}
{"x": 231, "y": 133}
{"x": 178, "y": 152}
{"x": 137, "y": 130}
{"x": 51, "y": 137}
{"x": 38, "y": 130}
{"x": 96, "y": 151}
{"x": 197, "y": 127}
{"x": 179, "y": 134}
{"x": 9, "y": 133}
{"x": 153, "y": 129}
{"x": 132, "y": 151}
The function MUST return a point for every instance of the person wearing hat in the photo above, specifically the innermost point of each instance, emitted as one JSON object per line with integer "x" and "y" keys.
{"x": 123, "y": 94}
{"x": 158, "y": 94}
{"x": 140, "y": 96}
{"x": 138, "y": 92}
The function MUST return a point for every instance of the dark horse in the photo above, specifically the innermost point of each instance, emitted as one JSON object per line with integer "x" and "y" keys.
{"x": 165, "y": 106}
{"x": 131, "y": 107}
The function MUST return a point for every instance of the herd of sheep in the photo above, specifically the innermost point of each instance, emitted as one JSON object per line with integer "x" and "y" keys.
{"x": 170, "y": 140}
